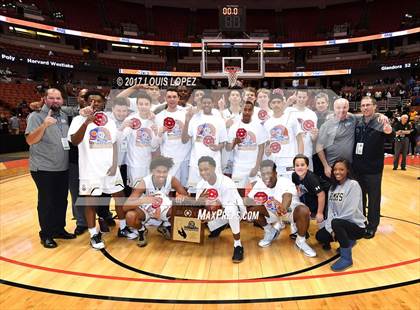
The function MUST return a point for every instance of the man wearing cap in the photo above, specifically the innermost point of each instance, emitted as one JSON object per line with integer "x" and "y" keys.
{"x": 285, "y": 136}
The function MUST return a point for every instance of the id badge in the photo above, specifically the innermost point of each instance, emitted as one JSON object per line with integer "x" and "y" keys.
{"x": 65, "y": 144}
{"x": 359, "y": 148}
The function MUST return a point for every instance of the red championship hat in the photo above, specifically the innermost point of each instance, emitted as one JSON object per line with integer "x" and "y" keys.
{"x": 241, "y": 133}
{"x": 208, "y": 140}
{"x": 169, "y": 123}
{"x": 158, "y": 203}
{"x": 260, "y": 197}
{"x": 275, "y": 147}
{"x": 100, "y": 119}
{"x": 212, "y": 194}
{"x": 135, "y": 123}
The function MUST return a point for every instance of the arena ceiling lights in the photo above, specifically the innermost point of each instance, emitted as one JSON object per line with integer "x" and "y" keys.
{"x": 20, "y": 22}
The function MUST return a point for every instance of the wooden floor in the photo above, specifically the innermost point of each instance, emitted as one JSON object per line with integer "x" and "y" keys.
{"x": 385, "y": 273}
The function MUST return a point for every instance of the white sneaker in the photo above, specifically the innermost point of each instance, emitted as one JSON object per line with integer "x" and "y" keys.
{"x": 269, "y": 237}
{"x": 96, "y": 242}
{"x": 127, "y": 233}
{"x": 307, "y": 250}
{"x": 165, "y": 231}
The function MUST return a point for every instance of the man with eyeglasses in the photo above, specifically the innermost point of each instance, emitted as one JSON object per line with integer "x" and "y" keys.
{"x": 368, "y": 160}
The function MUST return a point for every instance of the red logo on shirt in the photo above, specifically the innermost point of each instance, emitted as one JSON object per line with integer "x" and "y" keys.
{"x": 262, "y": 115}
{"x": 212, "y": 194}
{"x": 241, "y": 133}
{"x": 100, "y": 119}
{"x": 307, "y": 125}
{"x": 260, "y": 197}
{"x": 135, "y": 123}
{"x": 208, "y": 140}
{"x": 275, "y": 147}
{"x": 169, "y": 123}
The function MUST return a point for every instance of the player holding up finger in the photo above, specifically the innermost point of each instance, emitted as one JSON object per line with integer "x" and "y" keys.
{"x": 96, "y": 137}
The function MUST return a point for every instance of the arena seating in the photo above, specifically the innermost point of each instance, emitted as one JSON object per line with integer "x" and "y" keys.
{"x": 286, "y": 26}
{"x": 13, "y": 94}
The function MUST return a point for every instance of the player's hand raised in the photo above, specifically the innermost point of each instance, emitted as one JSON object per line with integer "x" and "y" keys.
{"x": 49, "y": 120}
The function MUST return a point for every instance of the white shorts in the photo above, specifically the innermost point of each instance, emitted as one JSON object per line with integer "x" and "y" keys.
{"x": 193, "y": 179}
{"x": 154, "y": 214}
{"x": 241, "y": 177}
{"x": 227, "y": 161}
{"x": 180, "y": 171}
{"x": 101, "y": 185}
{"x": 136, "y": 174}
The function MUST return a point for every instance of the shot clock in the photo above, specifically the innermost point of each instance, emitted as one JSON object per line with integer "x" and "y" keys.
{"x": 232, "y": 18}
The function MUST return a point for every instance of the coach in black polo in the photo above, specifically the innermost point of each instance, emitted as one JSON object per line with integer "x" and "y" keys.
{"x": 368, "y": 161}
{"x": 46, "y": 133}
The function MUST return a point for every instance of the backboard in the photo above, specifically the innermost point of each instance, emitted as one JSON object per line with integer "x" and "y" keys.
{"x": 246, "y": 54}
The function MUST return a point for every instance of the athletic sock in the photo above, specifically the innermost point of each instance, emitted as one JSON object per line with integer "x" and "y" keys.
{"x": 237, "y": 243}
{"x": 93, "y": 231}
{"x": 278, "y": 225}
{"x": 122, "y": 224}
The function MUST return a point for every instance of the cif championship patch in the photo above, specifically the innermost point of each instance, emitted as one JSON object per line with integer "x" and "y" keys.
{"x": 100, "y": 137}
{"x": 176, "y": 131}
{"x": 270, "y": 205}
{"x": 280, "y": 134}
{"x": 143, "y": 137}
{"x": 249, "y": 142}
{"x": 206, "y": 133}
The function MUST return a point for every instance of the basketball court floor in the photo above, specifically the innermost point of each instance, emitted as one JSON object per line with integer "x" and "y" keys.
{"x": 178, "y": 275}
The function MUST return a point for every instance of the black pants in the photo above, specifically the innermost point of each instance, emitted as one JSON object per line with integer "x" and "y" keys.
{"x": 401, "y": 147}
{"x": 344, "y": 232}
{"x": 53, "y": 188}
{"x": 78, "y": 212}
{"x": 371, "y": 197}
{"x": 311, "y": 201}
{"x": 127, "y": 189}
{"x": 102, "y": 210}
{"x": 413, "y": 144}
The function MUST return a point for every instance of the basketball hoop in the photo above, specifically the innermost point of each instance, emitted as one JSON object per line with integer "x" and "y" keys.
{"x": 232, "y": 74}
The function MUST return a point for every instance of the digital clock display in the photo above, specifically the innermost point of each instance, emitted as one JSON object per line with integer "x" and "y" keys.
{"x": 232, "y": 18}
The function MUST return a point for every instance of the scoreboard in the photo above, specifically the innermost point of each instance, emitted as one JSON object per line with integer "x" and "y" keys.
{"x": 232, "y": 18}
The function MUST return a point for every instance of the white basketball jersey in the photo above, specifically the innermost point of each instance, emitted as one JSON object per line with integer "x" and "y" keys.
{"x": 151, "y": 189}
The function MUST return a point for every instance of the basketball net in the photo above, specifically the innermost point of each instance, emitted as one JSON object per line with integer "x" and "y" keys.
{"x": 232, "y": 74}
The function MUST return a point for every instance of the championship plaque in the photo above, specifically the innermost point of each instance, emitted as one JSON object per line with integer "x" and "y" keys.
{"x": 186, "y": 226}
